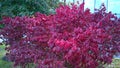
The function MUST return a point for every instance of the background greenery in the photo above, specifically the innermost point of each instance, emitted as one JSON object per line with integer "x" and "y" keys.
{"x": 26, "y": 7}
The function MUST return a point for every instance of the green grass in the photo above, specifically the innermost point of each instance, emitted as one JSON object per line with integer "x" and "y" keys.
{"x": 114, "y": 64}
{"x": 5, "y": 64}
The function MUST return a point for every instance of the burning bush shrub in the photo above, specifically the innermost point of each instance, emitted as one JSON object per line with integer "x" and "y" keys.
{"x": 71, "y": 38}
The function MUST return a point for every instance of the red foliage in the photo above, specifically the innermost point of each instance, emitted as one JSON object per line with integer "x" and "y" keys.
{"x": 71, "y": 38}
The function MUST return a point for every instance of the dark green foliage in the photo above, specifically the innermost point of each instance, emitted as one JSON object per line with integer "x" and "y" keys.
{"x": 26, "y": 7}
{"x": 1, "y": 26}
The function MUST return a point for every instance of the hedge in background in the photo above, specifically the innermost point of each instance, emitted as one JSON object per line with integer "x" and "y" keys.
{"x": 26, "y": 7}
{"x": 71, "y": 38}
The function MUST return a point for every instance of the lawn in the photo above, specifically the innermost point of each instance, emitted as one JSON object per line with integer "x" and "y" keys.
{"x": 5, "y": 64}
{"x": 114, "y": 64}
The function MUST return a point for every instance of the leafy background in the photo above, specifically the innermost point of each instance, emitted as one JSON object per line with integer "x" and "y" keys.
{"x": 26, "y": 7}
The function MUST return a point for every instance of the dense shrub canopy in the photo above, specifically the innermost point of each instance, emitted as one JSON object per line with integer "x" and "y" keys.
{"x": 71, "y": 38}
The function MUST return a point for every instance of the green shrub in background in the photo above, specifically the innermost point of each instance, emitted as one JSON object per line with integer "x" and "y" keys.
{"x": 26, "y": 7}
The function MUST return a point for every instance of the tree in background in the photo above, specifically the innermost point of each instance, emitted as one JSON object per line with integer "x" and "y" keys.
{"x": 26, "y": 7}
